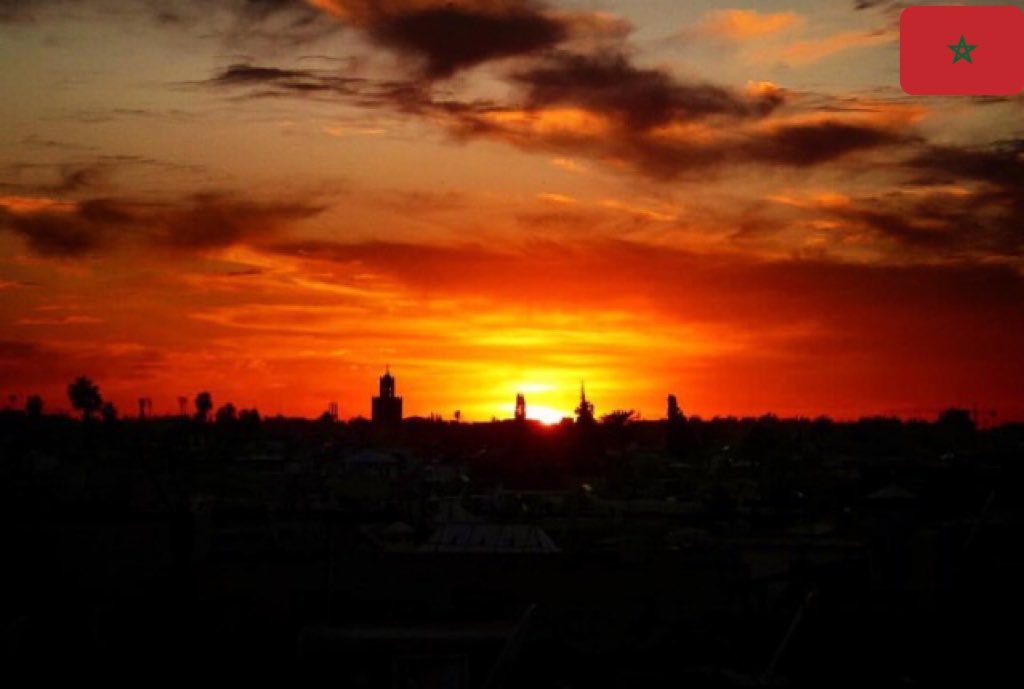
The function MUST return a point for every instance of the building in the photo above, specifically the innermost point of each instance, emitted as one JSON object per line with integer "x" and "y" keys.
{"x": 584, "y": 412}
{"x": 387, "y": 407}
{"x": 520, "y": 407}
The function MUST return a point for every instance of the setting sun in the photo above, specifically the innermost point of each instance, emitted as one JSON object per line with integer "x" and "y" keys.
{"x": 546, "y": 415}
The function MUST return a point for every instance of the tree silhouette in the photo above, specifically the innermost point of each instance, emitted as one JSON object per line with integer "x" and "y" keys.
{"x": 619, "y": 417}
{"x": 227, "y": 414}
{"x": 250, "y": 419}
{"x": 204, "y": 403}
{"x": 85, "y": 397}
{"x": 34, "y": 406}
{"x": 109, "y": 412}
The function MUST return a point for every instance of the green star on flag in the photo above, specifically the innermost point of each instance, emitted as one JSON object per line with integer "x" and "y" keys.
{"x": 962, "y": 51}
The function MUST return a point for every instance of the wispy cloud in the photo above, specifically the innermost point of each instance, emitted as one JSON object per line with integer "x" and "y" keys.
{"x": 807, "y": 51}
{"x": 201, "y": 222}
{"x": 744, "y": 24}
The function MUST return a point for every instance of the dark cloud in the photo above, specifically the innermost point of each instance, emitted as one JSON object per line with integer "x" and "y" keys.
{"x": 448, "y": 39}
{"x": 787, "y": 145}
{"x": 633, "y": 101}
{"x": 78, "y": 177}
{"x": 611, "y": 85}
{"x": 276, "y": 22}
{"x": 886, "y": 5}
{"x": 984, "y": 217}
{"x": 56, "y": 232}
{"x": 942, "y": 226}
{"x": 958, "y": 204}
{"x": 271, "y": 81}
{"x": 86, "y": 176}
{"x": 203, "y": 222}
{"x": 665, "y": 157}
{"x": 45, "y": 179}
{"x": 212, "y": 221}
{"x": 39, "y": 142}
{"x": 445, "y": 37}
{"x": 18, "y": 352}
{"x": 803, "y": 145}
{"x": 1001, "y": 164}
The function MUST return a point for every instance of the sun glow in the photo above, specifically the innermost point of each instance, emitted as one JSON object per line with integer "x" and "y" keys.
{"x": 546, "y": 415}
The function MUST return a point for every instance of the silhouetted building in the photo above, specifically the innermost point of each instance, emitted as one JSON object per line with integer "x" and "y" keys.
{"x": 674, "y": 412}
{"x": 520, "y": 407}
{"x": 584, "y": 412}
{"x": 387, "y": 407}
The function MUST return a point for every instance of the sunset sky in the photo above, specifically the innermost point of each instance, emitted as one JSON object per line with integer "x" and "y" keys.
{"x": 274, "y": 199}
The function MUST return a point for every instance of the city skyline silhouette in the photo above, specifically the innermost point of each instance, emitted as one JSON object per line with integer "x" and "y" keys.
{"x": 507, "y": 344}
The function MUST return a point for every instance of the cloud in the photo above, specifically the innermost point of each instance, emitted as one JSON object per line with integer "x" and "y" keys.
{"x": 212, "y": 221}
{"x": 70, "y": 177}
{"x": 84, "y": 176}
{"x": 272, "y": 81}
{"x": 65, "y": 230}
{"x": 744, "y": 25}
{"x": 678, "y": 147}
{"x": 887, "y": 6}
{"x": 201, "y": 222}
{"x": 964, "y": 202}
{"x": 953, "y": 204}
{"x": 446, "y": 37}
{"x": 610, "y": 85}
{"x": 692, "y": 286}
{"x": 803, "y": 145}
{"x": 17, "y": 351}
{"x": 267, "y": 22}
{"x": 807, "y": 51}
{"x": 1001, "y": 163}
{"x": 449, "y": 39}
{"x": 61, "y": 320}
{"x": 569, "y": 165}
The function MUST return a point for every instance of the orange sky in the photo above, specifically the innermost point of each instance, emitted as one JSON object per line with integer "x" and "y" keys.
{"x": 274, "y": 201}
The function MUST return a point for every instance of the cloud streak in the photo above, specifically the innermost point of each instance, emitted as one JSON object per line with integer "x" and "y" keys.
{"x": 200, "y": 223}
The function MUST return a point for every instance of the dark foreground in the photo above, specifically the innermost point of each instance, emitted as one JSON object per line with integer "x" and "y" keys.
{"x": 721, "y": 553}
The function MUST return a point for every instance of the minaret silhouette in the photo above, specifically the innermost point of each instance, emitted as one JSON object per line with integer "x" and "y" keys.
{"x": 584, "y": 412}
{"x": 386, "y": 407}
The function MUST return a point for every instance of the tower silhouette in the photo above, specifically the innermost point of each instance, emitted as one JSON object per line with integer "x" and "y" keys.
{"x": 520, "y": 407}
{"x": 584, "y": 412}
{"x": 674, "y": 412}
{"x": 387, "y": 407}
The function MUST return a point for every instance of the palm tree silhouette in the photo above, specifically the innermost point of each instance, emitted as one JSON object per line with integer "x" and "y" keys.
{"x": 85, "y": 397}
{"x": 204, "y": 403}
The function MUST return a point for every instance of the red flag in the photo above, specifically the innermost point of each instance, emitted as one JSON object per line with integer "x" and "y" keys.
{"x": 961, "y": 50}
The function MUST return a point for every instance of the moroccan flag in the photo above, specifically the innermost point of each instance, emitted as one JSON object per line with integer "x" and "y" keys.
{"x": 958, "y": 50}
